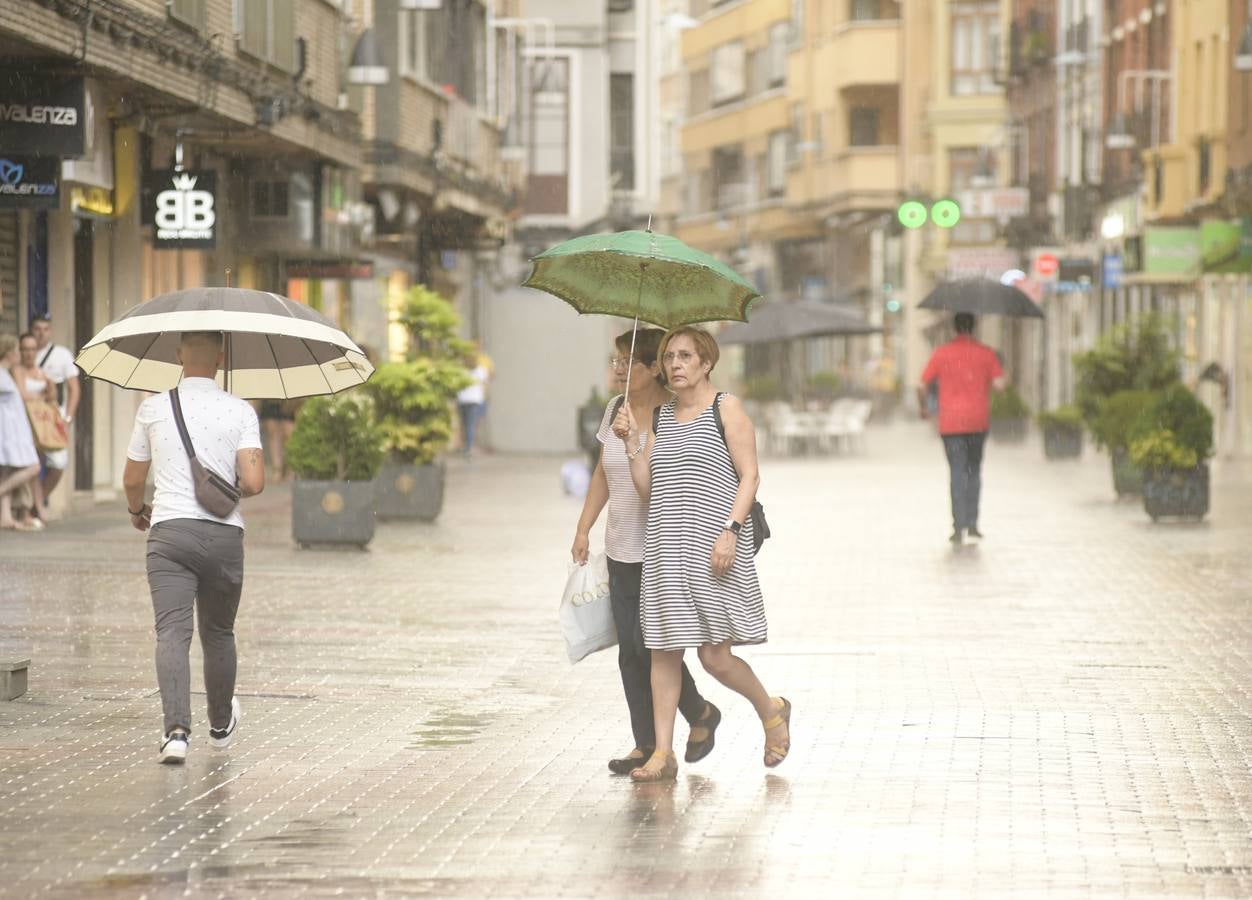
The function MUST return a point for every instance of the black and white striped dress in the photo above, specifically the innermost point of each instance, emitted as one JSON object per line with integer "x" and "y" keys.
{"x": 693, "y": 491}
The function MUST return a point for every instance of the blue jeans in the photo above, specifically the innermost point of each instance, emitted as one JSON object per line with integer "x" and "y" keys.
{"x": 965, "y": 462}
{"x": 635, "y": 660}
{"x": 470, "y": 414}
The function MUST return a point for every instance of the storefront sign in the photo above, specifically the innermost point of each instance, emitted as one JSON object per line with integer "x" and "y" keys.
{"x": 29, "y": 182}
{"x": 91, "y": 201}
{"x": 994, "y": 203}
{"x": 330, "y": 268}
{"x": 980, "y": 262}
{"x": 182, "y": 209}
{"x": 1112, "y": 270}
{"x": 41, "y": 115}
{"x": 1171, "y": 251}
{"x": 1226, "y": 247}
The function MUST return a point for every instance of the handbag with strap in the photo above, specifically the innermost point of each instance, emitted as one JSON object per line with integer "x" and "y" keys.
{"x": 47, "y": 425}
{"x": 760, "y": 528}
{"x": 213, "y": 492}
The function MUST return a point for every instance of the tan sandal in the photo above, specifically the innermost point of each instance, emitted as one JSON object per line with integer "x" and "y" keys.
{"x": 778, "y": 751}
{"x": 649, "y": 774}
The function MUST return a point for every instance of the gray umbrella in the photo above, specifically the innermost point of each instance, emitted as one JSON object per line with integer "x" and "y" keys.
{"x": 981, "y": 296}
{"x": 771, "y": 322}
{"x": 275, "y": 348}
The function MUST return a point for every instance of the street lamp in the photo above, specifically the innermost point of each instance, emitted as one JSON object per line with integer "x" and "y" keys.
{"x": 367, "y": 65}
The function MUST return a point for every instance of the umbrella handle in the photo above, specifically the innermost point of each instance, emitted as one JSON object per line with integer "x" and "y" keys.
{"x": 634, "y": 333}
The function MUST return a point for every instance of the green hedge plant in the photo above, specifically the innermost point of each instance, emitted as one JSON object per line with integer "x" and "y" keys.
{"x": 1063, "y": 418}
{"x": 413, "y": 400}
{"x": 336, "y": 439}
{"x": 1008, "y": 404}
{"x": 1131, "y": 357}
{"x": 1178, "y": 413}
{"x": 1160, "y": 450}
{"x": 1117, "y": 415}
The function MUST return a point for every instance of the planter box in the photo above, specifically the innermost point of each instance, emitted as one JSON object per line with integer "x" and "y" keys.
{"x": 1127, "y": 477}
{"x": 1062, "y": 443}
{"x": 332, "y": 512}
{"x": 13, "y": 677}
{"x": 1009, "y": 431}
{"x": 1182, "y": 493}
{"x": 409, "y": 492}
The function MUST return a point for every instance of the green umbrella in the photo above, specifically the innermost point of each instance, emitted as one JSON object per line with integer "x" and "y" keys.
{"x": 644, "y": 276}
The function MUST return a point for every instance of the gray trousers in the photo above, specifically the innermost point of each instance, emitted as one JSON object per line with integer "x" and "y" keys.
{"x": 194, "y": 563}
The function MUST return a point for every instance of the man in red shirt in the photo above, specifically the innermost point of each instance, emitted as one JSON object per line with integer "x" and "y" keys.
{"x": 966, "y": 372}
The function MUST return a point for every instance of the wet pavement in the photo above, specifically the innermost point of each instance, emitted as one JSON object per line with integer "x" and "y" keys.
{"x": 1062, "y": 710}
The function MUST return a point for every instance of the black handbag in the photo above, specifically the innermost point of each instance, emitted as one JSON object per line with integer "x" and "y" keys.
{"x": 213, "y": 492}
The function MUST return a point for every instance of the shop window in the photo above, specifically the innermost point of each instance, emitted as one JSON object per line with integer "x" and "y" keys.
{"x": 271, "y": 199}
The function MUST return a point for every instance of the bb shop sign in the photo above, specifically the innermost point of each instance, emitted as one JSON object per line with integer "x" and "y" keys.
{"x": 182, "y": 208}
{"x": 42, "y": 116}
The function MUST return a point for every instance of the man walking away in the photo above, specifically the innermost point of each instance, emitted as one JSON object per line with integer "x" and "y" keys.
{"x": 195, "y": 559}
{"x": 966, "y": 372}
{"x": 58, "y": 362}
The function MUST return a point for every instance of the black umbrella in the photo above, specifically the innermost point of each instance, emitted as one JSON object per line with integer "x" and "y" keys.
{"x": 982, "y": 297}
{"x": 770, "y": 322}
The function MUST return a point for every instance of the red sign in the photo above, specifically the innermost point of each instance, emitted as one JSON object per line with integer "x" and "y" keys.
{"x": 1047, "y": 264}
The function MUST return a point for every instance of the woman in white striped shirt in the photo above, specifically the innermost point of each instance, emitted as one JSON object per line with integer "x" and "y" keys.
{"x": 611, "y": 485}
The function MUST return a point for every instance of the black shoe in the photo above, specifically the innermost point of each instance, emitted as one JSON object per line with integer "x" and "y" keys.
{"x": 958, "y": 537}
{"x": 974, "y": 533}
{"x": 697, "y": 750}
{"x": 627, "y": 764}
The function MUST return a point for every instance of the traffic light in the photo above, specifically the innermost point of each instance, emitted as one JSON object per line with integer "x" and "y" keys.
{"x": 912, "y": 214}
{"x": 943, "y": 213}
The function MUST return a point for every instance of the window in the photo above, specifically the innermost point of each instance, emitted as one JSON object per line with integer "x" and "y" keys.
{"x": 796, "y": 135}
{"x": 730, "y": 188}
{"x": 970, "y": 167}
{"x": 797, "y": 23}
{"x": 975, "y": 47}
{"x": 779, "y": 35}
{"x": 548, "y": 187}
{"x": 758, "y": 74}
{"x": 267, "y": 31}
{"x": 699, "y": 97}
{"x": 413, "y": 43}
{"x": 622, "y": 130}
{"x": 270, "y": 199}
{"x": 865, "y": 10}
{"x": 621, "y": 6}
{"x": 728, "y": 72}
{"x": 863, "y": 127}
{"x": 189, "y": 12}
{"x": 776, "y": 164}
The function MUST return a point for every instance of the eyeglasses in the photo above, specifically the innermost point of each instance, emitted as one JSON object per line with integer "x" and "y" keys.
{"x": 621, "y": 362}
{"x": 683, "y": 356}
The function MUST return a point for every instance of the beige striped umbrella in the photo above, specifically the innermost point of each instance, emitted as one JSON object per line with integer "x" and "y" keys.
{"x": 275, "y": 348}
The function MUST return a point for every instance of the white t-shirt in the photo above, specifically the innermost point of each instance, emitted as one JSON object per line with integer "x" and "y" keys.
{"x": 476, "y": 392}
{"x": 219, "y": 425}
{"x": 628, "y": 515}
{"x": 59, "y": 366}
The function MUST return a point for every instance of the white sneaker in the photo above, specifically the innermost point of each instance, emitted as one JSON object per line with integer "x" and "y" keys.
{"x": 220, "y": 739}
{"x": 173, "y": 749}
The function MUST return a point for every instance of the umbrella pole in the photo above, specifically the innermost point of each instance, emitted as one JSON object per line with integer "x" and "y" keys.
{"x": 634, "y": 333}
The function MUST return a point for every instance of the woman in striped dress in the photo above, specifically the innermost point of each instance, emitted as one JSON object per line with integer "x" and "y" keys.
{"x": 611, "y": 485}
{"x": 699, "y": 577}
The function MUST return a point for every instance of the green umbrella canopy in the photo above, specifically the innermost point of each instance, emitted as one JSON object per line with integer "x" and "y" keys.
{"x": 654, "y": 276}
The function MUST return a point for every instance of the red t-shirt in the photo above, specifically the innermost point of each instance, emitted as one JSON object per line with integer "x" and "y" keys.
{"x": 965, "y": 369}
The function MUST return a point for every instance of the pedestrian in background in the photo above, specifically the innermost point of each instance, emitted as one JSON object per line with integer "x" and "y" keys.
{"x": 33, "y": 384}
{"x": 471, "y": 401}
{"x": 19, "y": 460}
{"x": 58, "y": 362}
{"x": 195, "y": 558}
{"x": 700, "y": 587}
{"x": 611, "y": 485}
{"x": 966, "y": 372}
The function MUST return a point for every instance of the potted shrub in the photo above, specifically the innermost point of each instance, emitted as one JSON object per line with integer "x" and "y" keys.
{"x": 1009, "y": 415}
{"x": 1111, "y": 429}
{"x": 335, "y": 451}
{"x": 1062, "y": 432}
{"x": 823, "y": 388}
{"x": 1171, "y": 442}
{"x": 413, "y": 404}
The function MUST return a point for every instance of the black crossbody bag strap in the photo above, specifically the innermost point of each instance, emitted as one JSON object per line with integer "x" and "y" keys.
{"x": 760, "y": 528}
{"x": 182, "y": 426}
{"x": 46, "y": 354}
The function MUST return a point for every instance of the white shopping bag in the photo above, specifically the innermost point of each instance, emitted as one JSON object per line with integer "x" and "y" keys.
{"x": 586, "y": 615}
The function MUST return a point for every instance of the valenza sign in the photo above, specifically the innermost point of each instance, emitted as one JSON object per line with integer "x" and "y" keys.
{"x": 183, "y": 209}
{"x": 42, "y": 116}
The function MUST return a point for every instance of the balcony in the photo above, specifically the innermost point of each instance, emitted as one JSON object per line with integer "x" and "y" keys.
{"x": 856, "y": 179}
{"x": 863, "y": 53}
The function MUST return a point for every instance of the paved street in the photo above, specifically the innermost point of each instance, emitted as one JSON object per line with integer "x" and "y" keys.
{"x": 1062, "y": 710}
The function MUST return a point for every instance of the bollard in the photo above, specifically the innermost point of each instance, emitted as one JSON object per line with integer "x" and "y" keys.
{"x": 13, "y": 678}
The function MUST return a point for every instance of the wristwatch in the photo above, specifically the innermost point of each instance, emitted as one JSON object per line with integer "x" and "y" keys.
{"x": 732, "y": 526}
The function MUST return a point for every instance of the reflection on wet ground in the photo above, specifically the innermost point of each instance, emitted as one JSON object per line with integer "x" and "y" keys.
{"x": 1062, "y": 709}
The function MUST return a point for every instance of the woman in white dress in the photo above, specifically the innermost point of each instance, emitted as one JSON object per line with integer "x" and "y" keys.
{"x": 33, "y": 383}
{"x": 699, "y": 475}
{"x": 19, "y": 460}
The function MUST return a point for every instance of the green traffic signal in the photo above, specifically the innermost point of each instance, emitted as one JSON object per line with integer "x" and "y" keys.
{"x": 912, "y": 214}
{"x": 945, "y": 213}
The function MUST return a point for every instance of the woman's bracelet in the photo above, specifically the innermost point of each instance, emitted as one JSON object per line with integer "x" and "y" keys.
{"x": 643, "y": 442}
